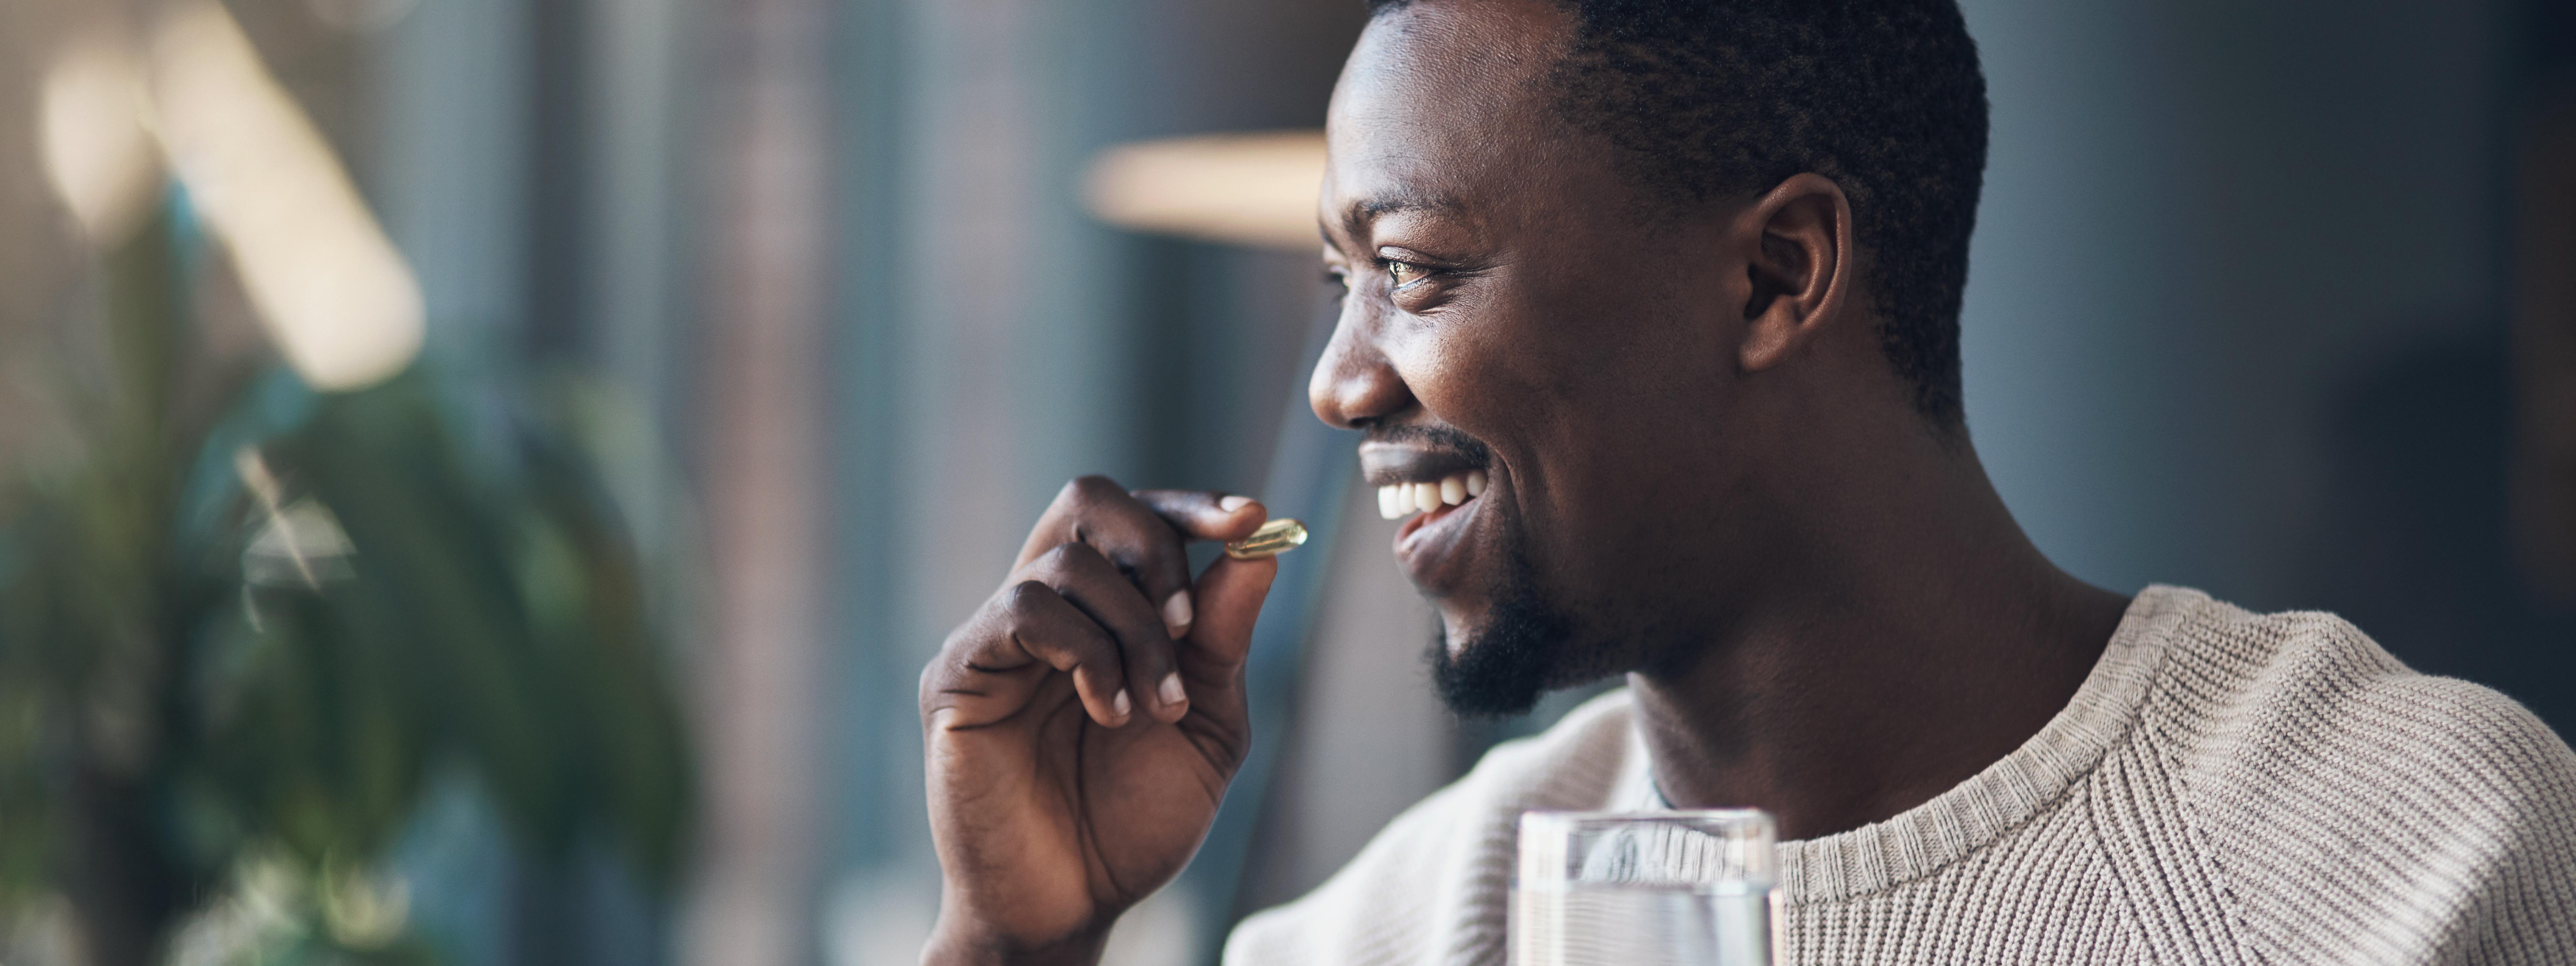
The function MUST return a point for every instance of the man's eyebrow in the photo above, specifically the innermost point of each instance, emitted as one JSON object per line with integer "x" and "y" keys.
{"x": 1361, "y": 211}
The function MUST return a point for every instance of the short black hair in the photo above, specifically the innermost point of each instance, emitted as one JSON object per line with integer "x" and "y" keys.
{"x": 1708, "y": 99}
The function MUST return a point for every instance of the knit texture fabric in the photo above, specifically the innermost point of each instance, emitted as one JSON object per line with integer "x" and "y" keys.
{"x": 2225, "y": 787}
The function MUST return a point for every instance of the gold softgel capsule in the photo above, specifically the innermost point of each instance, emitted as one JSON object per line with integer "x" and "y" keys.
{"x": 1274, "y": 538}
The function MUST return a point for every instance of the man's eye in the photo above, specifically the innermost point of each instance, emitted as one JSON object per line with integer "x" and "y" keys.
{"x": 1404, "y": 273}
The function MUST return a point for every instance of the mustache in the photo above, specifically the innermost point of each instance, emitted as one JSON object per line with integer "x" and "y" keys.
{"x": 1433, "y": 437}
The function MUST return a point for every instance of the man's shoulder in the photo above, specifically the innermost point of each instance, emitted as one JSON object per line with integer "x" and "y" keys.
{"x": 2343, "y": 796}
{"x": 2307, "y": 694}
{"x": 1437, "y": 877}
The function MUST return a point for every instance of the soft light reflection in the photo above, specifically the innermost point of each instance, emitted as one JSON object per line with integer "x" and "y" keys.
{"x": 1243, "y": 189}
{"x": 97, "y": 152}
{"x": 299, "y": 544}
{"x": 336, "y": 296}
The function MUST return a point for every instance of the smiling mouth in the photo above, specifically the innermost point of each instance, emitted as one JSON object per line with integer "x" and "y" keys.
{"x": 1395, "y": 501}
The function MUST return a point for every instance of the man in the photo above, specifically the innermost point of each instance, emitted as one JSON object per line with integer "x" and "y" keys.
{"x": 1661, "y": 300}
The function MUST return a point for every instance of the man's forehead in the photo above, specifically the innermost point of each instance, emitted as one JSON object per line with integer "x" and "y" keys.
{"x": 1449, "y": 55}
{"x": 1381, "y": 168}
{"x": 1434, "y": 97}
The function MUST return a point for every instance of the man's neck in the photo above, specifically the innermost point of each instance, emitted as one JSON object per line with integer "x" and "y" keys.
{"x": 1883, "y": 675}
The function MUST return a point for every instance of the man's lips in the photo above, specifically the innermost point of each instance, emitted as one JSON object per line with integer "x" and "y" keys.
{"x": 1440, "y": 488}
{"x": 1384, "y": 462}
{"x": 1435, "y": 545}
{"x": 1420, "y": 479}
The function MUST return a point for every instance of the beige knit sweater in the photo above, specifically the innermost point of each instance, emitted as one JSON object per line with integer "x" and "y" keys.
{"x": 2226, "y": 787}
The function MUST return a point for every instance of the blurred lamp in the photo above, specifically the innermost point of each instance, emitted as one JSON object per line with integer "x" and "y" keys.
{"x": 1256, "y": 190}
{"x": 334, "y": 293}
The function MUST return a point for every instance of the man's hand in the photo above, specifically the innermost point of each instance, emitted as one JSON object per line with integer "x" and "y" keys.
{"x": 1082, "y": 726}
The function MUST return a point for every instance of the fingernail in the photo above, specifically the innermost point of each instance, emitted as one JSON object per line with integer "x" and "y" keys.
{"x": 1120, "y": 703}
{"x": 1176, "y": 613}
{"x": 1171, "y": 689}
{"x": 1233, "y": 503}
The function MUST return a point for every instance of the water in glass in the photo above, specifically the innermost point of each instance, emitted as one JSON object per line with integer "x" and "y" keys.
{"x": 1644, "y": 889}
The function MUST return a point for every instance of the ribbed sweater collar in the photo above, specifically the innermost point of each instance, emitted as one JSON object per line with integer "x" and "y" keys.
{"x": 2020, "y": 786}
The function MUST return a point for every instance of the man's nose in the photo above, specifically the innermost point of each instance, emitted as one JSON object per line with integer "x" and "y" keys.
{"x": 1354, "y": 383}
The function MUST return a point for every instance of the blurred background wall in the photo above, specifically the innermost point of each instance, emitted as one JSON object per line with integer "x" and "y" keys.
{"x": 2241, "y": 309}
{"x": 2243, "y": 315}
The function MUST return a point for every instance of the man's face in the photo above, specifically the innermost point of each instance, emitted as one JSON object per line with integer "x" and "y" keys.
{"x": 1510, "y": 314}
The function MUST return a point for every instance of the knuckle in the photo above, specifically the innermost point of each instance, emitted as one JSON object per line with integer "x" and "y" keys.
{"x": 1070, "y": 493}
{"x": 1033, "y": 606}
{"x": 1132, "y": 557}
{"x": 1084, "y": 491}
{"x": 1025, "y": 599}
{"x": 1143, "y": 545}
{"x": 1071, "y": 558}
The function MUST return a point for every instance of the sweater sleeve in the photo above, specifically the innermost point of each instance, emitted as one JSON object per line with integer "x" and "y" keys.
{"x": 2359, "y": 812}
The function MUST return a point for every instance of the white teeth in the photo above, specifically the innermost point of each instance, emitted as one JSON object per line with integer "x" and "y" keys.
{"x": 1395, "y": 501}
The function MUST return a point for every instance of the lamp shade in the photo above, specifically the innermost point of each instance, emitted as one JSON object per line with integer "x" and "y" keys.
{"x": 1252, "y": 189}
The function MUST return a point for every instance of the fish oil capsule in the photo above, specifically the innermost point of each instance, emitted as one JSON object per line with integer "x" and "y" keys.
{"x": 1274, "y": 538}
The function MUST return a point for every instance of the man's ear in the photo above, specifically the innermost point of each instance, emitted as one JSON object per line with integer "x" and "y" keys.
{"x": 1799, "y": 260}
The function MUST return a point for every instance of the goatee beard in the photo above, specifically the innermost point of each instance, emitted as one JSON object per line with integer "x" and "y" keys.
{"x": 1511, "y": 661}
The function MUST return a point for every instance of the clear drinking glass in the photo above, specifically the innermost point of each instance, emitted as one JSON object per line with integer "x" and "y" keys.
{"x": 1644, "y": 888}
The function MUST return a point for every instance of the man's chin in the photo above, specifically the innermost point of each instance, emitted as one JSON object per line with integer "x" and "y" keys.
{"x": 1500, "y": 669}
{"x": 1509, "y": 648}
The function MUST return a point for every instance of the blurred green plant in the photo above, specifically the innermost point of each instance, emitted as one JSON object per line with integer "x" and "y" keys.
{"x": 241, "y": 630}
